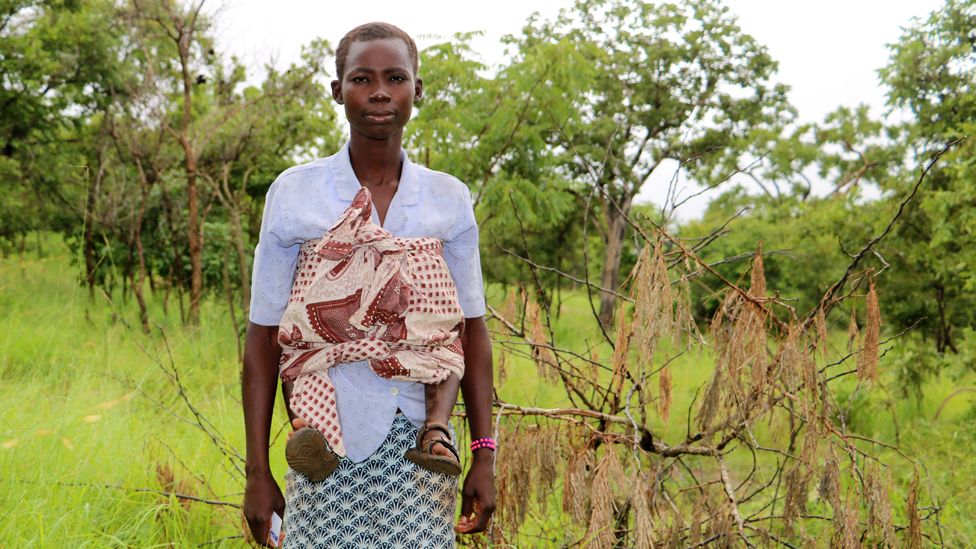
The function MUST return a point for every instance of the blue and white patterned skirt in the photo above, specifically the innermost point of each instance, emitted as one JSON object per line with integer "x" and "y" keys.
{"x": 382, "y": 502}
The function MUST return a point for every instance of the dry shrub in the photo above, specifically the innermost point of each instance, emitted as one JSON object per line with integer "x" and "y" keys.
{"x": 795, "y": 500}
{"x": 876, "y": 483}
{"x": 738, "y": 331}
{"x": 710, "y": 404}
{"x": 576, "y": 487}
{"x": 659, "y": 311}
{"x": 168, "y": 482}
{"x": 547, "y": 443}
{"x": 867, "y": 361}
{"x": 510, "y": 307}
{"x": 600, "y": 530}
{"x": 651, "y": 291}
{"x": 643, "y": 514}
{"x": 513, "y": 465}
{"x": 721, "y": 523}
{"x": 621, "y": 350}
{"x": 799, "y": 476}
{"x": 545, "y": 360}
{"x": 820, "y": 323}
{"x": 913, "y": 534}
{"x": 508, "y": 311}
{"x": 853, "y": 332}
{"x": 830, "y": 483}
{"x": 847, "y": 533}
{"x": 789, "y": 360}
{"x": 664, "y": 387}
{"x": 753, "y": 326}
{"x": 593, "y": 370}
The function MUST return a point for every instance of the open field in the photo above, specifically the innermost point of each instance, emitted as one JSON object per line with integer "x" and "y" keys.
{"x": 92, "y": 429}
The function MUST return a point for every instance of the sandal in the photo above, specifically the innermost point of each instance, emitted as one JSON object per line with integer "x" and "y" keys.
{"x": 425, "y": 458}
{"x": 308, "y": 453}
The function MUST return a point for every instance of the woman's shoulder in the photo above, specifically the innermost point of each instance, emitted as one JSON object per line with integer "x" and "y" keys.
{"x": 302, "y": 174}
{"x": 443, "y": 185}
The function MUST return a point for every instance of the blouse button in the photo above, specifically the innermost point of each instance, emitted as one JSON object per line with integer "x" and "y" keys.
{"x": 394, "y": 391}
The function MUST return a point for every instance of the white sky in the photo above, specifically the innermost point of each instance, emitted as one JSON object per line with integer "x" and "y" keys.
{"x": 828, "y": 50}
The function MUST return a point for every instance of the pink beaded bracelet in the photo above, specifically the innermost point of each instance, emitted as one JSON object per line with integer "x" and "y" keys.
{"x": 484, "y": 442}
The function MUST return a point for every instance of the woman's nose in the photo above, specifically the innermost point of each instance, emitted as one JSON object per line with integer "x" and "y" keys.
{"x": 379, "y": 95}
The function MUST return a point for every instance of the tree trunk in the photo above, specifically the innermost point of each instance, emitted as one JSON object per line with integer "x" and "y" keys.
{"x": 139, "y": 284}
{"x": 943, "y": 337}
{"x": 616, "y": 225}
{"x": 237, "y": 237}
{"x": 194, "y": 236}
{"x": 229, "y": 293}
{"x": 89, "y": 232}
{"x": 176, "y": 274}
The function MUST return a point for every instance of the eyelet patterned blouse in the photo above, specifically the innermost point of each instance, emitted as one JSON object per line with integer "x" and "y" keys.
{"x": 305, "y": 202}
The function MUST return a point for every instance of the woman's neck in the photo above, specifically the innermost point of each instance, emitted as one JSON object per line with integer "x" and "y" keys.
{"x": 376, "y": 163}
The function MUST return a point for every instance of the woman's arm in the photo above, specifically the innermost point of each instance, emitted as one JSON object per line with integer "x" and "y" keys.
{"x": 478, "y": 493}
{"x": 259, "y": 382}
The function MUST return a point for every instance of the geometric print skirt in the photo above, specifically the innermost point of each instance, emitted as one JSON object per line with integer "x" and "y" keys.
{"x": 382, "y": 502}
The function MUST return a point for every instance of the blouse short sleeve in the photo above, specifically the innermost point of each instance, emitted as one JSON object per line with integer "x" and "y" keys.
{"x": 274, "y": 265}
{"x": 463, "y": 259}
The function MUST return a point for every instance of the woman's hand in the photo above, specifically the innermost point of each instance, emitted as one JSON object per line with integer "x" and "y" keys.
{"x": 262, "y": 496}
{"x": 478, "y": 494}
{"x": 259, "y": 379}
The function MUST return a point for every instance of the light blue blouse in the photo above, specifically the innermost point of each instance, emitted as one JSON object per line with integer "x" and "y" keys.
{"x": 302, "y": 204}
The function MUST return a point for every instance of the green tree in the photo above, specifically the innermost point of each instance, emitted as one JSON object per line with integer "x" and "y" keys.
{"x": 57, "y": 61}
{"x": 932, "y": 75}
{"x": 674, "y": 81}
{"x": 491, "y": 131}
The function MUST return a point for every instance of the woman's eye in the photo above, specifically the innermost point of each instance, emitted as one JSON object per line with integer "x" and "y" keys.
{"x": 359, "y": 79}
{"x": 398, "y": 78}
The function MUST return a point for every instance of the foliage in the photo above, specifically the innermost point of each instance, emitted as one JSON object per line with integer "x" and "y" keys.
{"x": 932, "y": 74}
{"x": 674, "y": 81}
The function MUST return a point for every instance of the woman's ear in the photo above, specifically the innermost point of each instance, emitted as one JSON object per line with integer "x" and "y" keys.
{"x": 337, "y": 91}
{"x": 418, "y": 90}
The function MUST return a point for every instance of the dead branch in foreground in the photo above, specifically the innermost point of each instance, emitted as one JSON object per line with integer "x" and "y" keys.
{"x": 763, "y": 430}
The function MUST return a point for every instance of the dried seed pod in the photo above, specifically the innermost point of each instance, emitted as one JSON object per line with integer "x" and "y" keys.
{"x": 548, "y": 452}
{"x": 576, "y": 486}
{"x": 710, "y": 404}
{"x": 514, "y": 463}
{"x": 853, "y": 333}
{"x": 501, "y": 366}
{"x": 545, "y": 360}
{"x": 664, "y": 385}
{"x": 621, "y": 350}
{"x": 600, "y": 530}
{"x": 643, "y": 521}
{"x": 876, "y": 482}
{"x": 820, "y": 322}
{"x": 830, "y": 483}
{"x": 867, "y": 360}
{"x": 913, "y": 534}
{"x": 757, "y": 281}
{"x": 846, "y": 528}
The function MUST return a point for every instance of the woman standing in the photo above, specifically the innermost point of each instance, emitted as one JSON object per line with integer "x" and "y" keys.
{"x": 375, "y": 498}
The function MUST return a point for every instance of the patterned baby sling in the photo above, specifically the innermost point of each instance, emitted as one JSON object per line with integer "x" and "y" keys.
{"x": 362, "y": 294}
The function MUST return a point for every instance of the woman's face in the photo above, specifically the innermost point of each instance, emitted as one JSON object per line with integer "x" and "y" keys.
{"x": 378, "y": 88}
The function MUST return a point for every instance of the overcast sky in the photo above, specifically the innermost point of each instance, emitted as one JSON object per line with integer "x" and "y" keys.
{"x": 828, "y": 50}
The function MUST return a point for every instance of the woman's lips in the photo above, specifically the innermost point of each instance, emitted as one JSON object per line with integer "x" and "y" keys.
{"x": 380, "y": 117}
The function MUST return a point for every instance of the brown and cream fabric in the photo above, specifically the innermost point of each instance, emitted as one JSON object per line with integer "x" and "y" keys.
{"x": 362, "y": 294}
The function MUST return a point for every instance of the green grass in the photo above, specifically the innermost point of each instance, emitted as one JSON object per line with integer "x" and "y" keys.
{"x": 89, "y": 417}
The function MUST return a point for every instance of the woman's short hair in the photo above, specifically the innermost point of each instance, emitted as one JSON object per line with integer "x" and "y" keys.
{"x": 373, "y": 31}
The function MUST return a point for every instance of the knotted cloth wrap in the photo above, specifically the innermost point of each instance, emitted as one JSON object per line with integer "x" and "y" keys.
{"x": 362, "y": 294}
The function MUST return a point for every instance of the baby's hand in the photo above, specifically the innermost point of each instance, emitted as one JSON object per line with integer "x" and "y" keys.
{"x": 296, "y": 424}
